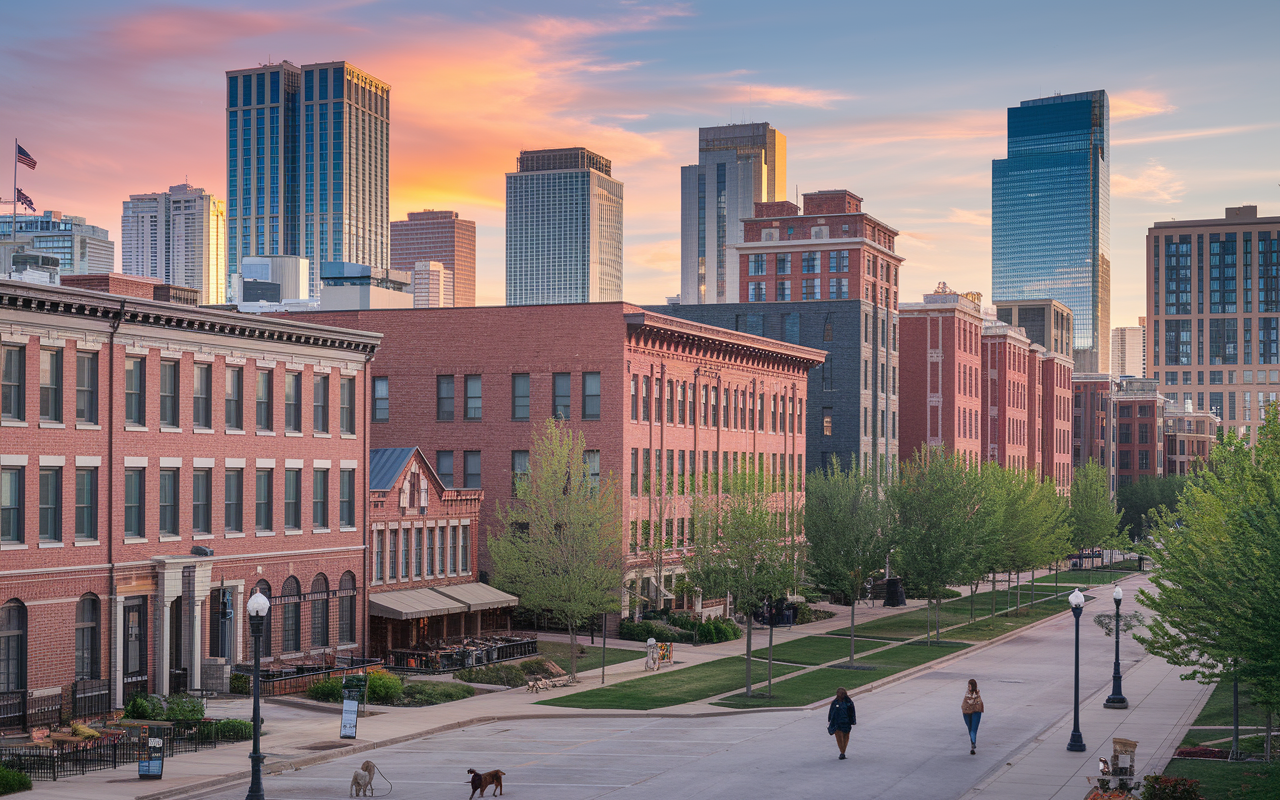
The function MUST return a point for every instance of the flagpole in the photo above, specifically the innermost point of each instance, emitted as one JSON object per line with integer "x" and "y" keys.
{"x": 13, "y": 224}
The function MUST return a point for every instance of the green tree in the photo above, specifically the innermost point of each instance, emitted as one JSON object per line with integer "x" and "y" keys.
{"x": 1142, "y": 499}
{"x": 846, "y": 523}
{"x": 1093, "y": 518}
{"x": 559, "y": 543}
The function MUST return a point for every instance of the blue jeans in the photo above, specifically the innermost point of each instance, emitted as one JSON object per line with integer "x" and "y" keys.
{"x": 971, "y": 722}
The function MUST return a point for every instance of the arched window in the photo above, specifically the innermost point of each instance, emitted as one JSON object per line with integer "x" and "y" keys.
{"x": 88, "y": 659}
{"x": 347, "y": 608}
{"x": 320, "y": 611}
{"x": 291, "y": 616}
{"x": 13, "y": 647}
{"x": 263, "y": 588}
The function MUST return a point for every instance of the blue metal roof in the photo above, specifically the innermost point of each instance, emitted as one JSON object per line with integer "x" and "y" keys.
{"x": 385, "y": 465}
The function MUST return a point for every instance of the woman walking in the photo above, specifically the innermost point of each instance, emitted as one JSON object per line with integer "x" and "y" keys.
{"x": 841, "y": 718}
{"x": 971, "y": 707}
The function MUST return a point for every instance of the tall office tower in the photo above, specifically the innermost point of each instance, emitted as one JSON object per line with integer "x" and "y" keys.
{"x": 1213, "y": 314}
{"x": 564, "y": 229}
{"x": 307, "y": 166}
{"x": 438, "y": 236}
{"x": 178, "y": 237}
{"x": 738, "y": 166}
{"x": 1051, "y": 215}
{"x": 433, "y": 286}
{"x": 1129, "y": 352}
{"x": 82, "y": 249}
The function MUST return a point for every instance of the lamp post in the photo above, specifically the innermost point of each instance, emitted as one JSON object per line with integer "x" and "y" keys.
{"x": 1076, "y": 745}
{"x": 1117, "y": 698}
{"x": 257, "y": 609}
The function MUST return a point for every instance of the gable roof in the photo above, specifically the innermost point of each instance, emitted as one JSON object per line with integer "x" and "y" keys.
{"x": 385, "y": 466}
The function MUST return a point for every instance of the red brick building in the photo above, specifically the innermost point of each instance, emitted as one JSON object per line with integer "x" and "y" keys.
{"x": 1092, "y": 421}
{"x": 1139, "y": 427}
{"x": 1011, "y": 381}
{"x": 1055, "y": 419}
{"x": 658, "y": 399}
{"x": 160, "y": 461}
{"x": 1189, "y": 437}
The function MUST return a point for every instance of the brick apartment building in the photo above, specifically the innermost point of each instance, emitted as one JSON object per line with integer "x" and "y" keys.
{"x": 159, "y": 461}
{"x": 654, "y": 396}
{"x": 1138, "y": 427}
{"x": 1189, "y": 437}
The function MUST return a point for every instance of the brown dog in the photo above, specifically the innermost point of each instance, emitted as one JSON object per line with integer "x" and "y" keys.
{"x": 362, "y": 781}
{"x": 484, "y": 780}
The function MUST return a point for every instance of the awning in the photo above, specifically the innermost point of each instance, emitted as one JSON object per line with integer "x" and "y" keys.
{"x": 479, "y": 596}
{"x": 413, "y": 604}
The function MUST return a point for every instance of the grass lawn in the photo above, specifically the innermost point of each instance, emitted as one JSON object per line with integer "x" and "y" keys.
{"x": 912, "y": 623}
{"x": 674, "y": 687}
{"x": 987, "y": 629}
{"x": 1250, "y": 742}
{"x": 1220, "y": 780}
{"x": 814, "y": 650}
{"x": 559, "y": 653}
{"x": 1069, "y": 578}
{"x": 1217, "y": 711}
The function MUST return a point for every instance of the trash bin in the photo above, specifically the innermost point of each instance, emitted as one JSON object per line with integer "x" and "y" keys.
{"x": 894, "y": 594}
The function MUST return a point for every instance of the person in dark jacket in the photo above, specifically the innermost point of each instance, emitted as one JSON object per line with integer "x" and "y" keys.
{"x": 841, "y": 718}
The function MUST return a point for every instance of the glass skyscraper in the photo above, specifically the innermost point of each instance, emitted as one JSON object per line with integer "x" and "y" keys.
{"x": 564, "y": 229}
{"x": 1051, "y": 215}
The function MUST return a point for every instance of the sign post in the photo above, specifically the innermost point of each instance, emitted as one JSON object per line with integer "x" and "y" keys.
{"x": 151, "y": 767}
{"x": 352, "y": 692}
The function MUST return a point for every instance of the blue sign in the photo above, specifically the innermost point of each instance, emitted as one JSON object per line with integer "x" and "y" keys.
{"x": 151, "y": 768}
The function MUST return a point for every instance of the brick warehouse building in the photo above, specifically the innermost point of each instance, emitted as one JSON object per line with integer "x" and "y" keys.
{"x": 168, "y": 459}
{"x": 652, "y": 395}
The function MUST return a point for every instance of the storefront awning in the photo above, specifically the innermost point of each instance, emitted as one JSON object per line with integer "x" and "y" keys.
{"x": 413, "y": 604}
{"x": 479, "y": 596}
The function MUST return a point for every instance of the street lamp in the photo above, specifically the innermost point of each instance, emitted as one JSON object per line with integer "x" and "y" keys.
{"x": 1117, "y": 698}
{"x": 257, "y": 609}
{"x": 1076, "y": 745}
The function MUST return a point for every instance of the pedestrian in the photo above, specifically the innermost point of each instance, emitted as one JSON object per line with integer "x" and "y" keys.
{"x": 841, "y": 718}
{"x": 971, "y": 707}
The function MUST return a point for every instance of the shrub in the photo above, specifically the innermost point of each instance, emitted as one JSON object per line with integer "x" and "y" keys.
{"x": 536, "y": 667}
{"x": 509, "y": 675}
{"x": 240, "y": 684}
{"x": 1201, "y": 752}
{"x": 718, "y": 629}
{"x": 643, "y": 631}
{"x": 431, "y": 693}
{"x": 13, "y": 781}
{"x": 183, "y": 708}
{"x": 328, "y": 690}
{"x": 1158, "y": 787}
{"x": 234, "y": 730}
{"x": 144, "y": 706}
{"x": 384, "y": 688}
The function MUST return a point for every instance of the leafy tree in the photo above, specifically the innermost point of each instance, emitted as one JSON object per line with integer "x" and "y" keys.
{"x": 1093, "y": 518}
{"x": 559, "y": 543}
{"x": 846, "y": 523}
{"x": 1141, "y": 500}
{"x": 1029, "y": 518}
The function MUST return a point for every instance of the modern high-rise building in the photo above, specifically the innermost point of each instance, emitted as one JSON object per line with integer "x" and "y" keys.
{"x": 1047, "y": 323}
{"x": 1129, "y": 351}
{"x": 1051, "y": 215}
{"x": 177, "y": 236}
{"x": 438, "y": 236}
{"x": 738, "y": 166}
{"x": 564, "y": 229}
{"x": 433, "y": 285}
{"x": 307, "y": 174}
{"x": 82, "y": 249}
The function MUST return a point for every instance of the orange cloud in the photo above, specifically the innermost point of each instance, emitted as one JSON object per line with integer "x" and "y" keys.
{"x": 1155, "y": 183}
{"x": 1139, "y": 103}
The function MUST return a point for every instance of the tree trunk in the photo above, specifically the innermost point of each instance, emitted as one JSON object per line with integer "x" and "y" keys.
{"x": 973, "y": 590}
{"x": 1266, "y": 745}
{"x": 1235, "y": 719}
{"x": 573, "y": 653}
{"x": 853, "y": 609}
{"x": 748, "y": 616}
{"x": 993, "y": 596}
{"x": 1017, "y": 597}
{"x": 769, "y": 691}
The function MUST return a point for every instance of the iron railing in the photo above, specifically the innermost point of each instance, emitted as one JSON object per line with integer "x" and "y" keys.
{"x": 90, "y": 698}
{"x": 432, "y": 662}
{"x": 281, "y": 679}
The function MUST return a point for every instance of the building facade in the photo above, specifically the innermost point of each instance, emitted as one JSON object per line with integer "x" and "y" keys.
{"x": 1047, "y": 323}
{"x": 1011, "y": 395}
{"x": 564, "y": 229}
{"x": 1093, "y": 422}
{"x": 307, "y": 166}
{"x": 1139, "y": 427}
{"x": 433, "y": 286}
{"x": 81, "y": 248}
{"x": 177, "y": 237}
{"x": 442, "y": 237}
{"x": 1129, "y": 351}
{"x": 1056, "y": 372}
{"x": 1051, "y": 217}
{"x": 158, "y": 464}
{"x": 351, "y": 287}
{"x": 1189, "y": 437}
{"x": 738, "y": 166}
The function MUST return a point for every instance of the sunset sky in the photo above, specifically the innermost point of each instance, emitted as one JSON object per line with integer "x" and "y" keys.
{"x": 902, "y": 103}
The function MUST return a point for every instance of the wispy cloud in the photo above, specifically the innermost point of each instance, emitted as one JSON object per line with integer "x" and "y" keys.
{"x": 1195, "y": 133}
{"x": 1156, "y": 183}
{"x": 1139, "y": 103}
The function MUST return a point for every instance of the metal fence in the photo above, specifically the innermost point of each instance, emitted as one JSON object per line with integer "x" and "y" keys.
{"x": 293, "y": 679}
{"x": 431, "y": 662}
{"x": 90, "y": 698}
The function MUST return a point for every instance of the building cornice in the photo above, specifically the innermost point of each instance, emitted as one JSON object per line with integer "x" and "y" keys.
{"x": 721, "y": 338}
{"x": 795, "y": 245}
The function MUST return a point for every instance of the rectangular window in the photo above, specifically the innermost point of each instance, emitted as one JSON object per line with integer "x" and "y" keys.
{"x": 320, "y": 404}
{"x": 381, "y": 399}
{"x": 347, "y": 406}
{"x": 417, "y": 553}
{"x": 235, "y": 398}
{"x": 783, "y": 291}
{"x": 520, "y": 397}
{"x": 86, "y": 504}
{"x": 320, "y": 498}
{"x": 13, "y": 383}
{"x": 347, "y": 498}
{"x": 393, "y": 537}
{"x": 50, "y": 504}
{"x": 233, "y": 500}
{"x": 378, "y": 546}
{"x": 471, "y": 385}
{"x": 453, "y": 549}
{"x": 592, "y": 459}
{"x": 519, "y": 469}
{"x": 201, "y": 492}
{"x": 782, "y": 262}
{"x": 406, "y": 542}
{"x": 168, "y": 502}
{"x": 444, "y": 467}
{"x": 293, "y": 402}
{"x": 202, "y": 397}
{"x": 635, "y": 397}
{"x": 135, "y": 391}
{"x": 87, "y": 387}
{"x": 265, "y": 416}
{"x": 644, "y": 399}
{"x": 264, "y": 513}
{"x": 471, "y": 469}
{"x": 51, "y": 385}
{"x": 169, "y": 394}
{"x": 591, "y": 395}
{"x": 810, "y": 262}
{"x": 635, "y": 472}
{"x": 12, "y": 491}
{"x": 134, "y": 503}
{"x": 755, "y": 264}
{"x": 293, "y": 499}
{"x": 444, "y": 398}
{"x": 429, "y": 558}
{"x": 464, "y": 555}
{"x": 560, "y": 395}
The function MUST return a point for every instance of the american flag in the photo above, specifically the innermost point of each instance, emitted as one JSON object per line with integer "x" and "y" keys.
{"x": 23, "y": 199}
{"x": 24, "y": 157}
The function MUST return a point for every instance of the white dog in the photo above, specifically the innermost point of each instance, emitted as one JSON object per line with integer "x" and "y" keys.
{"x": 362, "y": 781}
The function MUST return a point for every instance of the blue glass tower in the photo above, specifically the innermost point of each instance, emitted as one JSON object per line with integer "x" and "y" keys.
{"x": 1051, "y": 215}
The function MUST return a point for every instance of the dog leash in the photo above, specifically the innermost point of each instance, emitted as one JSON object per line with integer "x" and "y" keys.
{"x": 390, "y": 786}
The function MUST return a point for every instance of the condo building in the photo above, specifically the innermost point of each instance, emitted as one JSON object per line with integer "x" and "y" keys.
{"x": 441, "y": 237}
{"x": 177, "y": 237}
{"x": 81, "y": 248}
{"x": 1129, "y": 350}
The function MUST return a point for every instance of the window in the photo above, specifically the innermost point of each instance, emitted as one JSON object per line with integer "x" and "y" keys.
{"x": 320, "y": 611}
{"x": 810, "y": 289}
{"x": 291, "y": 615}
{"x": 51, "y": 385}
{"x": 134, "y": 501}
{"x": 810, "y": 262}
{"x": 347, "y": 607}
{"x": 13, "y": 647}
{"x": 839, "y": 291}
{"x": 431, "y": 551}
{"x": 262, "y": 501}
{"x": 86, "y": 504}
{"x": 406, "y": 541}
{"x": 168, "y": 502}
{"x": 13, "y": 383}
{"x": 233, "y": 502}
{"x": 293, "y": 499}
{"x": 464, "y": 554}
{"x": 382, "y": 400}
{"x": 839, "y": 261}
{"x": 471, "y": 469}
{"x": 265, "y": 417}
{"x": 417, "y": 553}
{"x": 1144, "y": 459}
{"x": 347, "y": 498}
{"x": 135, "y": 387}
{"x": 635, "y": 472}
{"x": 756, "y": 292}
{"x": 320, "y": 404}
{"x": 11, "y": 512}
{"x": 263, "y": 588}
{"x": 444, "y": 398}
{"x": 201, "y": 397}
{"x": 453, "y": 549}
{"x": 591, "y": 395}
{"x": 347, "y": 406}
{"x": 519, "y": 469}
{"x": 293, "y": 402}
{"x": 783, "y": 291}
{"x": 560, "y": 395}
{"x": 169, "y": 394}
{"x": 392, "y": 539}
{"x": 644, "y": 399}
{"x": 520, "y": 397}
{"x": 320, "y": 498}
{"x": 50, "y": 504}
{"x": 635, "y": 401}
{"x": 826, "y": 422}
{"x": 87, "y": 387}
{"x": 88, "y": 661}
{"x": 444, "y": 467}
{"x": 471, "y": 384}
{"x": 592, "y": 460}
{"x": 235, "y": 398}
{"x": 201, "y": 492}
{"x": 755, "y": 264}
{"x": 782, "y": 262}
